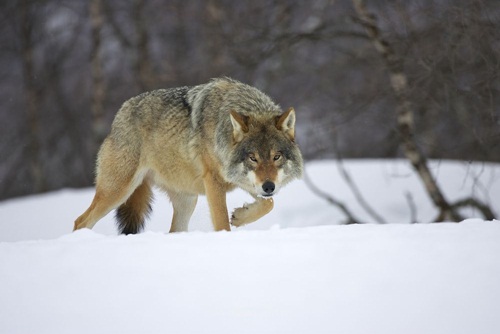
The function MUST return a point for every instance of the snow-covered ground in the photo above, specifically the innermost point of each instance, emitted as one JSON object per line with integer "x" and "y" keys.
{"x": 294, "y": 271}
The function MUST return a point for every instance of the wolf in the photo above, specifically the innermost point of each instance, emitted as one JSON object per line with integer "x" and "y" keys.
{"x": 188, "y": 141}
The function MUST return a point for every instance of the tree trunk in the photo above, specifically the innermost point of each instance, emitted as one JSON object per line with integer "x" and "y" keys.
{"x": 213, "y": 39}
{"x": 404, "y": 111}
{"x": 142, "y": 61}
{"x": 32, "y": 100}
{"x": 99, "y": 130}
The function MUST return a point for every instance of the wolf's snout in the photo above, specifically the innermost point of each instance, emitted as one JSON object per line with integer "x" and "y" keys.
{"x": 268, "y": 187}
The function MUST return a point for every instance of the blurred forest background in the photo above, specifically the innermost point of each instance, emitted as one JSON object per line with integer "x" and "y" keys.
{"x": 67, "y": 66}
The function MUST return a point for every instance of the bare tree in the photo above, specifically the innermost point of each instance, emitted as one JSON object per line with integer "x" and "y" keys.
{"x": 405, "y": 120}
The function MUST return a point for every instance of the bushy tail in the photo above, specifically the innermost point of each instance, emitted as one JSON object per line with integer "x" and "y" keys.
{"x": 132, "y": 214}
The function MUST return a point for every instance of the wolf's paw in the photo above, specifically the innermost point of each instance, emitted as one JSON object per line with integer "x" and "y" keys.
{"x": 249, "y": 213}
{"x": 239, "y": 217}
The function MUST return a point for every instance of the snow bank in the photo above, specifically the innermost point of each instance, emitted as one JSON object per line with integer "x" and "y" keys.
{"x": 439, "y": 278}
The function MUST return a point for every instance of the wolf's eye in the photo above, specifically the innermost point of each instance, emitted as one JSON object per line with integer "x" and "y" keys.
{"x": 277, "y": 157}
{"x": 252, "y": 158}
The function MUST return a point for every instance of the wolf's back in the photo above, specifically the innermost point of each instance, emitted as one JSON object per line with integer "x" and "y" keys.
{"x": 162, "y": 110}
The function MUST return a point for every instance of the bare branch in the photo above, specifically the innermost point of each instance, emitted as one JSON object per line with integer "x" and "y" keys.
{"x": 354, "y": 188}
{"x": 330, "y": 199}
{"x": 475, "y": 203}
{"x": 413, "y": 208}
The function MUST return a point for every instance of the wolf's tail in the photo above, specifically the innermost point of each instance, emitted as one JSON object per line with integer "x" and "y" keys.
{"x": 132, "y": 214}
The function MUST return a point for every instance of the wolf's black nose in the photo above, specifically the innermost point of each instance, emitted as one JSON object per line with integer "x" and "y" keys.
{"x": 268, "y": 187}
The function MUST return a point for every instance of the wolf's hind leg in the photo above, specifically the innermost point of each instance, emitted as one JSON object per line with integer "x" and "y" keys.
{"x": 251, "y": 212}
{"x": 104, "y": 201}
{"x": 183, "y": 205}
{"x": 117, "y": 178}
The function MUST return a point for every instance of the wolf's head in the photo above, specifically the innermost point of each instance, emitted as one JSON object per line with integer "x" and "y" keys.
{"x": 264, "y": 156}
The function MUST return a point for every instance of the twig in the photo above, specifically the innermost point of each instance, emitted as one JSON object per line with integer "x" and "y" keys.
{"x": 359, "y": 197}
{"x": 475, "y": 203}
{"x": 352, "y": 185}
{"x": 413, "y": 208}
{"x": 330, "y": 199}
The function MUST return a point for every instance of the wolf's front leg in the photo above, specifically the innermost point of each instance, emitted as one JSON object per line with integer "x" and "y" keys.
{"x": 249, "y": 213}
{"x": 216, "y": 198}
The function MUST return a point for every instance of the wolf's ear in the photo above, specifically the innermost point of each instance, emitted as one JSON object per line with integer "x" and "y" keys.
{"x": 286, "y": 123}
{"x": 240, "y": 125}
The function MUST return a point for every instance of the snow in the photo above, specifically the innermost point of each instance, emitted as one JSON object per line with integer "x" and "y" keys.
{"x": 294, "y": 271}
